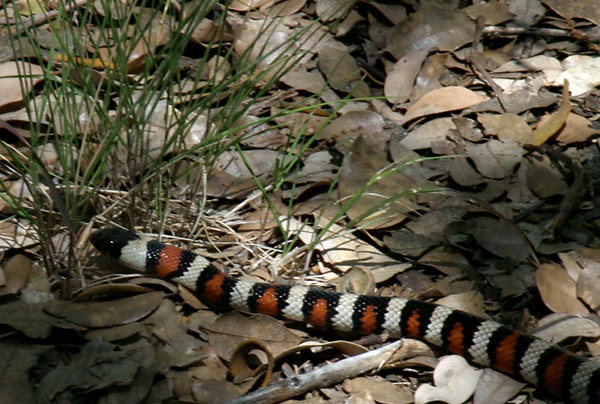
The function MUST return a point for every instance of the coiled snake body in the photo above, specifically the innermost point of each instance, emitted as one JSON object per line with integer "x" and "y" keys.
{"x": 487, "y": 343}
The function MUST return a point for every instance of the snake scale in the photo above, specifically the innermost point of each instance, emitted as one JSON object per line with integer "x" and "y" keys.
{"x": 488, "y": 343}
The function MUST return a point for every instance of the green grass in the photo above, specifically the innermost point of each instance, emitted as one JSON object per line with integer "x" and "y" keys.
{"x": 101, "y": 121}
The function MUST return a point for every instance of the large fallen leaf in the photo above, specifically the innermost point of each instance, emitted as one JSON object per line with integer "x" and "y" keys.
{"x": 441, "y": 100}
{"x": 582, "y": 72}
{"x": 232, "y": 329}
{"x": 105, "y": 314}
{"x": 501, "y": 238}
{"x": 558, "y": 290}
{"x": 400, "y": 81}
{"x": 495, "y": 159}
{"x": 557, "y": 327}
{"x": 386, "y": 198}
{"x": 434, "y": 25}
{"x": 16, "y": 80}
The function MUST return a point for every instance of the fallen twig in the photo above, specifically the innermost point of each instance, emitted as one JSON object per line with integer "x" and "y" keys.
{"x": 334, "y": 372}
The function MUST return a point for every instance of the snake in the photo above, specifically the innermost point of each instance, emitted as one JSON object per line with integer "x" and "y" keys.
{"x": 553, "y": 369}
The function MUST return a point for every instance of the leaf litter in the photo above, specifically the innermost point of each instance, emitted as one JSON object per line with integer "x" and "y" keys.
{"x": 504, "y": 221}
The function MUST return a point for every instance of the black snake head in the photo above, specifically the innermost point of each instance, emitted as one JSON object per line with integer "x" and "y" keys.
{"x": 112, "y": 241}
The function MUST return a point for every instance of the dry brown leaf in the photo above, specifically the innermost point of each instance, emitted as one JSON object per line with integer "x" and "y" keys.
{"x": 400, "y": 81}
{"x": 16, "y": 272}
{"x": 348, "y": 127}
{"x": 495, "y": 159}
{"x": 494, "y": 12}
{"x": 344, "y": 250}
{"x": 430, "y": 132}
{"x": 105, "y": 314}
{"x": 557, "y": 327}
{"x": 463, "y": 173}
{"x": 378, "y": 206}
{"x": 506, "y": 127}
{"x": 588, "y": 10}
{"x": 501, "y": 238}
{"x": 16, "y": 80}
{"x": 246, "y": 5}
{"x": 471, "y": 302}
{"x": 582, "y": 72}
{"x": 232, "y": 329}
{"x": 495, "y": 388}
{"x": 381, "y": 391}
{"x": 556, "y": 121}
{"x": 588, "y": 286}
{"x": 436, "y": 25}
{"x": 409, "y": 244}
{"x": 341, "y": 70}
{"x": 442, "y": 100}
{"x": 545, "y": 180}
{"x": 558, "y": 290}
{"x": 577, "y": 129}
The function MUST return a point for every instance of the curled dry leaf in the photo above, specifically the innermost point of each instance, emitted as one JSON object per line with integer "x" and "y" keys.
{"x": 358, "y": 281}
{"x": 249, "y": 352}
{"x": 556, "y": 121}
{"x": 346, "y": 347}
{"x": 230, "y": 330}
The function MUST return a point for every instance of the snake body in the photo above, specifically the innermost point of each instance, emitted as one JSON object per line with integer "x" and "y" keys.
{"x": 487, "y": 343}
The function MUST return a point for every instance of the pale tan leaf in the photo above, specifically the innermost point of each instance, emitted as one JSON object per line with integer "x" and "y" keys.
{"x": 557, "y": 327}
{"x": 506, "y": 127}
{"x": 16, "y": 80}
{"x": 441, "y": 100}
{"x": 382, "y": 391}
{"x": 400, "y": 81}
{"x": 495, "y": 159}
{"x": 558, "y": 290}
